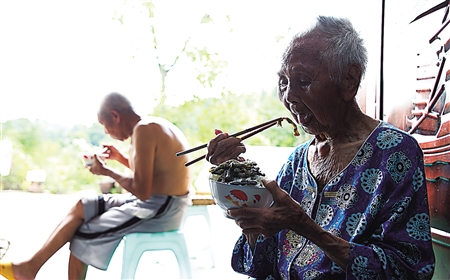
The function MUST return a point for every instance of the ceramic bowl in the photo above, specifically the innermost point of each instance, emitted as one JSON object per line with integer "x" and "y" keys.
{"x": 88, "y": 158}
{"x": 228, "y": 196}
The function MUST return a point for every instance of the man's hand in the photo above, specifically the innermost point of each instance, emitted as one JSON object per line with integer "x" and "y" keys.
{"x": 112, "y": 152}
{"x": 98, "y": 167}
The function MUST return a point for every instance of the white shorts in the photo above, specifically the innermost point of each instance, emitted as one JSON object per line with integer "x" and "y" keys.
{"x": 108, "y": 218}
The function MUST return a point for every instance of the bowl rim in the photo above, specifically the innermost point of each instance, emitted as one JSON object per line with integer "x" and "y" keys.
{"x": 260, "y": 186}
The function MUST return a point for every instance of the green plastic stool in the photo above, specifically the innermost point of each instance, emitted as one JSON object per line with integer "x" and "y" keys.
{"x": 135, "y": 244}
{"x": 201, "y": 210}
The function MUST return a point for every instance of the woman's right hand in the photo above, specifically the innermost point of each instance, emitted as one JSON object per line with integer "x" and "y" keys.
{"x": 223, "y": 147}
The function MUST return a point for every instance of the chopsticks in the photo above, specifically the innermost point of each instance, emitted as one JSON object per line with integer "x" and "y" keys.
{"x": 254, "y": 130}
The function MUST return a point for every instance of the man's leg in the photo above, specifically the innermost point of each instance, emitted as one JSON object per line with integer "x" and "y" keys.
{"x": 62, "y": 234}
{"x": 77, "y": 269}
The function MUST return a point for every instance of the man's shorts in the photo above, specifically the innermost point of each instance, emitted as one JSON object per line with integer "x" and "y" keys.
{"x": 108, "y": 218}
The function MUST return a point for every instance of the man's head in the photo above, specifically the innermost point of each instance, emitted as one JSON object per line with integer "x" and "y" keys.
{"x": 117, "y": 116}
{"x": 320, "y": 74}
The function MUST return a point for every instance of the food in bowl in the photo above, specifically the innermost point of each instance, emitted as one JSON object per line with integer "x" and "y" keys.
{"x": 238, "y": 184}
{"x": 234, "y": 172}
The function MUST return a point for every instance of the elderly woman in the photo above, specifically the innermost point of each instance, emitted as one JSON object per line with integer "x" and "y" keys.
{"x": 351, "y": 203}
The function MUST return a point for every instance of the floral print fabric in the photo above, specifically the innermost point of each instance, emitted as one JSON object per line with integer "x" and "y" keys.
{"x": 378, "y": 203}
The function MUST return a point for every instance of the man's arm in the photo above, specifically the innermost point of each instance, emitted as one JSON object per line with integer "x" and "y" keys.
{"x": 143, "y": 158}
{"x": 114, "y": 154}
{"x": 145, "y": 144}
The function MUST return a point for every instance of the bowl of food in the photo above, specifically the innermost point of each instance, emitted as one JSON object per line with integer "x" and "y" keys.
{"x": 88, "y": 158}
{"x": 237, "y": 184}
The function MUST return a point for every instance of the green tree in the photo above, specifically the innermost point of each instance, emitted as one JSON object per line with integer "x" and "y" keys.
{"x": 206, "y": 63}
{"x": 55, "y": 149}
{"x": 231, "y": 113}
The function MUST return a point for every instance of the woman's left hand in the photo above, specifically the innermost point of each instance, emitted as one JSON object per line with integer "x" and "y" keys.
{"x": 285, "y": 213}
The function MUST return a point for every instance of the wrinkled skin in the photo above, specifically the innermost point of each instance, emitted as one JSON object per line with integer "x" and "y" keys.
{"x": 282, "y": 212}
{"x": 223, "y": 148}
{"x": 328, "y": 111}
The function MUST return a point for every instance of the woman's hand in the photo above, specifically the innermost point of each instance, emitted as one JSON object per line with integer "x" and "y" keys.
{"x": 223, "y": 147}
{"x": 285, "y": 213}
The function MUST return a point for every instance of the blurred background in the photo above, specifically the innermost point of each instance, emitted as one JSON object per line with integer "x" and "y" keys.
{"x": 200, "y": 64}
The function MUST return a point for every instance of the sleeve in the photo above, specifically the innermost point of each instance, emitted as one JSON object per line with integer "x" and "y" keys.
{"x": 259, "y": 263}
{"x": 262, "y": 263}
{"x": 399, "y": 245}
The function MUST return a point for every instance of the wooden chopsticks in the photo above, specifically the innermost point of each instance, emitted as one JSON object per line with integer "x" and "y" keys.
{"x": 251, "y": 131}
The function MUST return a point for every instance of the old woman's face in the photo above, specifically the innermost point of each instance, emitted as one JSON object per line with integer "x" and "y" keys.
{"x": 307, "y": 91}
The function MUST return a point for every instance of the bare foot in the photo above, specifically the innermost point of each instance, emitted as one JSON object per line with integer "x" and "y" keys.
{"x": 15, "y": 271}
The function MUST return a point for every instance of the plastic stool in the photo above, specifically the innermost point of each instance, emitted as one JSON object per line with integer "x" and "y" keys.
{"x": 201, "y": 210}
{"x": 197, "y": 210}
{"x": 135, "y": 244}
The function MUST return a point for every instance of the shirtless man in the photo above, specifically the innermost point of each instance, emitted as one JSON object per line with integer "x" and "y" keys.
{"x": 157, "y": 198}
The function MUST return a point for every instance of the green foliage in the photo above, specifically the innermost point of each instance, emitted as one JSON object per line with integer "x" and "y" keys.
{"x": 210, "y": 65}
{"x": 21, "y": 163}
{"x": 206, "y": 19}
{"x": 205, "y": 62}
{"x": 55, "y": 149}
{"x": 150, "y": 7}
{"x": 232, "y": 113}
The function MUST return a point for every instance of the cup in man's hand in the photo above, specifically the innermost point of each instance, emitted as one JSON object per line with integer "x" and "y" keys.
{"x": 88, "y": 159}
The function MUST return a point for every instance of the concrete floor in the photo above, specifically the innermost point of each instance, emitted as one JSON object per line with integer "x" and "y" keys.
{"x": 27, "y": 219}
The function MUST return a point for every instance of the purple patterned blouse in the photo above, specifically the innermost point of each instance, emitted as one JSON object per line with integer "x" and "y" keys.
{"x": 378, "y": 203}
